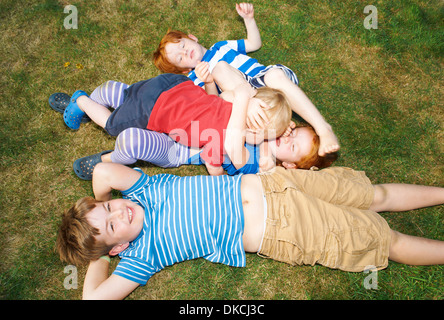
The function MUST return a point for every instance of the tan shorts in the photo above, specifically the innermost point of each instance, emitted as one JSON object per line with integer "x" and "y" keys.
{"x": 322, "y": 217}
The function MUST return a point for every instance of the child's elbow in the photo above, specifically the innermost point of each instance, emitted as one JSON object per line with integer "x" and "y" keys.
{"x": 101, "y": 170}
{"x": 254, "y": 46}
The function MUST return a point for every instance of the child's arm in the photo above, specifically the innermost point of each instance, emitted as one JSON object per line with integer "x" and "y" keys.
{"x": 213, "y": 170}
{"x": 98, "y": 285}
{"x": 228, "y": 79}
{"x": 266, "y": 159}
{"x": 234, "y": 142}
{"x": 108, "y": 176}
{"x": 253, "y": 41}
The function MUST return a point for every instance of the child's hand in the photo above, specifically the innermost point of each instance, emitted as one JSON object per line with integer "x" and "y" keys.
{"x": 266, "y": 164}
{"x": 289, "y": 129}
{"x": 245, "y": 10}
{"x": 256, "y": 117}
{"x": 203, "y": 72}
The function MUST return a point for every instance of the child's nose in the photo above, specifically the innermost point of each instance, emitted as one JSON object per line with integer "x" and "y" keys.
{"x": 117, "y": 214}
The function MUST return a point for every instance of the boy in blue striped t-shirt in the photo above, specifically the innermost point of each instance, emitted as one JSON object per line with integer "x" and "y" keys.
{"x": 181, "y": 53}
{"x": 325, "y": 217}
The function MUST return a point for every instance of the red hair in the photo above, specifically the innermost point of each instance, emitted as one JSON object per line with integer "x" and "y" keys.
{"x": 159, "y": 56}
{"x": 313, "y": 159}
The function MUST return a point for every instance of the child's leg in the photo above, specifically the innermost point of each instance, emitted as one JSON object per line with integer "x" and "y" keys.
{"x": 109, "y": 94}
{"x": 301, "y": 104}
{"x": 415, "y": 250}
{"x": 97, "y": 112}
{"x": 139, "y": 144}
{"x": 404, "y": 197}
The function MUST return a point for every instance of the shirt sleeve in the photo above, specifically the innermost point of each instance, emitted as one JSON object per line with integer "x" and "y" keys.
{"x": 143, "y": 180}
{"x": 135, "y": 270}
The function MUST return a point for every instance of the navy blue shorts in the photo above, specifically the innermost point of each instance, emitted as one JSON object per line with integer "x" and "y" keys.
{"x": 139, "y": 100}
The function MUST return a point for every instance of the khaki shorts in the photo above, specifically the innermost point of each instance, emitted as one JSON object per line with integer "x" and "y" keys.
{"x": 321, "y": 217}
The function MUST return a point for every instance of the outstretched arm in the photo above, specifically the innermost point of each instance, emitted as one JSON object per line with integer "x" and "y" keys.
{"x": 253, "y": 41}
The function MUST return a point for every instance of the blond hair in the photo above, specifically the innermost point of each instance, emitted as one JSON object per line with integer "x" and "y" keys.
{"x": 279, "y": 113}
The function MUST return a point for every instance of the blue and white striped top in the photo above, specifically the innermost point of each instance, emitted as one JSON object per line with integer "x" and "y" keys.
{"x": 185, "y": 218}
{"x": 233, "y": 52}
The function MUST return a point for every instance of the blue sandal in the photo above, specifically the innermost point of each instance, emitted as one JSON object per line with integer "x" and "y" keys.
{"x": 84, "y": 167}
{"x": 73, "y": 114}
{"x": 59, "y": 101}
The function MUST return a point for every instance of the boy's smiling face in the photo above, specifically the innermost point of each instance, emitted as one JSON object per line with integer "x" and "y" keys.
{"x": 119, "y": 221}
{"x": 186, "y": 53}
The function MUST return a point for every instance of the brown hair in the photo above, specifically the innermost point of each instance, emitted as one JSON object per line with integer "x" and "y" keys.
{"x": 159, "y": 56}
{"x": 313, "y": 159}
{"x": 76, "y": 242}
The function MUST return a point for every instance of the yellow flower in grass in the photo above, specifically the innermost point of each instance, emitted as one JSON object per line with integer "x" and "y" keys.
{"x": 67, "y": 64}
{"x": 79, "y": 66}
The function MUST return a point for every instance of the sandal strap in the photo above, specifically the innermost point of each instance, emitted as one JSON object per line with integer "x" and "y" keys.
{"x": 59, "y": 101}
{"x": 73, "y": 114}
{"x": 84, "y": 167}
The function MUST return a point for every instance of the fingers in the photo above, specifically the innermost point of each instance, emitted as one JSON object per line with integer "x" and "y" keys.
{"x": 257, "y": 118}
{"x": 203, "y": 72}
{"x": 289, "y": 131}
{"x": 245, "y": 9}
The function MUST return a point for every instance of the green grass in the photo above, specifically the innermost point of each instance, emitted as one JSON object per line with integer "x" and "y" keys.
{"x": 381, "y": 90}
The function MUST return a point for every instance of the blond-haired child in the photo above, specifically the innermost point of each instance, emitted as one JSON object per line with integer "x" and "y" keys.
{"x": 181, "y": 53}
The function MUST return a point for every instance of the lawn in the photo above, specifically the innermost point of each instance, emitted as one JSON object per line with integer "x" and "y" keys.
{"x": 381, "y": 90}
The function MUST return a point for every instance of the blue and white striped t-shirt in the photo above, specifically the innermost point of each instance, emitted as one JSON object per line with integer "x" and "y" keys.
{"x": 185, "y": 218}
{"x": 233, "y": 52}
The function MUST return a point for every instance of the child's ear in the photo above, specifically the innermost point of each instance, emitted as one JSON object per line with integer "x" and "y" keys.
{"x": 289, "y": 165}
{"x": 193, "y": 37}
{"x": 118, "y": 249}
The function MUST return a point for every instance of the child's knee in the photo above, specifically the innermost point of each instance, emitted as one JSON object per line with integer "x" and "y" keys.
{"x": 274, "y": 76}
{"x": 394, "y": 242}
{"x": 223, "y": 68}
{"x": 128, "y": 139}
{"x": 220, "y": 66}
{"x": 380, "y": 198}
